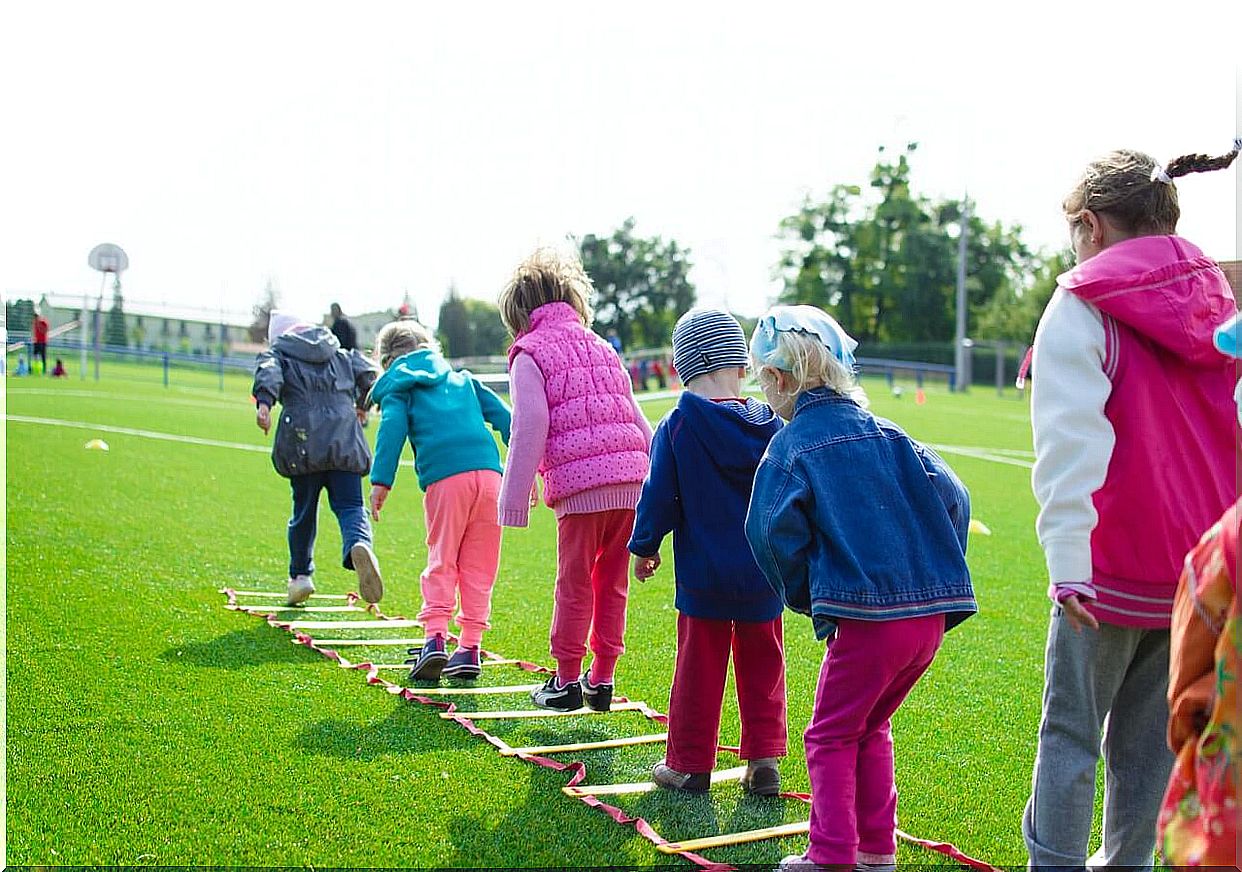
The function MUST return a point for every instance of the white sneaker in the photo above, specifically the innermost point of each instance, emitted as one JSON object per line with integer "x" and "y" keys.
{"x": 300, "y": 589}
{"x": 370, "y": 585}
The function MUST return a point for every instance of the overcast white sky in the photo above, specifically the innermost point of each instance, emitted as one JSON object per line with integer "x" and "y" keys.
{"x": 352, "y": 151}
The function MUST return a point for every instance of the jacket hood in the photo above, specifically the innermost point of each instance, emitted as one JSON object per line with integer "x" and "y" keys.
{"x": 1162, "y": 287}
{"x": 314, "y": 344}
{"x": 722, "y": 429}
{"x": 417, "y": 369}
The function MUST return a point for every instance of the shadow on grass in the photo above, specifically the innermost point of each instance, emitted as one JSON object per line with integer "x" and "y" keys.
{"x": 408, "y": 729}
{"x": 239, "y": 649}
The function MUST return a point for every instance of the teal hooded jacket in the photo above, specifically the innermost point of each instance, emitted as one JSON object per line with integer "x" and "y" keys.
{"x": 443, "y": 413}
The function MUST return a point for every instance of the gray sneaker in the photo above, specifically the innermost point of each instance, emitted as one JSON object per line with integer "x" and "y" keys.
{"x": 300, "y": 589}
{"x": 762, "y": 778}
{"x": 690, "y": 782}
{"x": 370, "y": 585}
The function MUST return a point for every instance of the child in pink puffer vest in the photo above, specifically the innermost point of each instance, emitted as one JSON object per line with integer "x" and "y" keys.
{"x": 576, "y": 423}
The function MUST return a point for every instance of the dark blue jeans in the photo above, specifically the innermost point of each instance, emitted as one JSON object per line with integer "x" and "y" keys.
{"x": 345, "y": 498}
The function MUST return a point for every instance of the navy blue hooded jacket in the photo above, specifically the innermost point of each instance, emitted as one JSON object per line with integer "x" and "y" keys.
{"x": 703, "y": 460}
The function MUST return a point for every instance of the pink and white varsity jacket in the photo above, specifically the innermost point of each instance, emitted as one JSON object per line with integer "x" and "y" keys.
{"x": 1135, "y": 429}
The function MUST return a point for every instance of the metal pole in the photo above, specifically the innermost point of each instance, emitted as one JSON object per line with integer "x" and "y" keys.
{"x": 960, "y": 351}
{"x": 98, "y": 319}
{"x": 82, "y": 336}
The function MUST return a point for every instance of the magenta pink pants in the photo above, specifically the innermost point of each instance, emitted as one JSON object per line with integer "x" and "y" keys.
{"x": 868, "y": 670}
{"x": 592, "y": 590}
{"x": 703, "y": 647}
{"x": 463, "y": 553}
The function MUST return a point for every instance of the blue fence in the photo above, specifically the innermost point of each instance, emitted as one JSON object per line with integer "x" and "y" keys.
{"x": 166, "y": 362}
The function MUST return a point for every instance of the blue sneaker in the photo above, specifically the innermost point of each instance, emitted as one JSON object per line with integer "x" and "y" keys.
{"x": 430, "y": 661}
{"x": 464, "y": 664}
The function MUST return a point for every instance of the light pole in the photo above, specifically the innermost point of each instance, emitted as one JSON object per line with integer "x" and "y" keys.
{"x": 961, "y": 345}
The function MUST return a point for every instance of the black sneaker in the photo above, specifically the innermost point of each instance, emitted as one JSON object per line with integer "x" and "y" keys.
{"x": 463, "y": 664}
{"x": 597, "y": 696}
{"x": 554, "y": 695}
{"x": 431, "y": 660}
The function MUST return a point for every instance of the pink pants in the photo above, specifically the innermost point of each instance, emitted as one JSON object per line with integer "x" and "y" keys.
{"x": 698, "y": 688}
{"x": 868, "y": 670}
{"x": 463, "y": 552}
{"x": 592, "y": 590}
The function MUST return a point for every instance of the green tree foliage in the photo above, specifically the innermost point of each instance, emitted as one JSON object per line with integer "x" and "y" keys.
{"x": 114, "y": 328}
{"x": 884, "y": 262}
{"x": 641, "y": 285}
{"x": 1014, "y": 313}
{"x": 19, "y": 316}
{"x": 262, "y": 312}
{"x": 470, "y": 328}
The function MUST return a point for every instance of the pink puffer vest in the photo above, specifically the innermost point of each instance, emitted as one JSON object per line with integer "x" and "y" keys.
{"x": 593, "y": 437}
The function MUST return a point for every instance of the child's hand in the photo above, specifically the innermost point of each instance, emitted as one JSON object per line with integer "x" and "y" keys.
{"x": 362, "y": 416}
{"x": 645, "y": 567}
{"x": 263, "y": 417}
{"x": 379, "y": 493}
{"x": 1077, "y": 614}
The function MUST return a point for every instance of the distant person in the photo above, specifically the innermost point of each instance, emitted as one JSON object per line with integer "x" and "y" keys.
{"x": 39, "y": 332}
{"x": 576, "y": 422}
{"x": 444, "y": 415}
{"x": 657, "y": 369}
{"x": 343, "y": 329}
{"x": 615, "y": 341}
{"x": 1134, "y": 431}
{"x": 319, "y": 443}
{"x": 403, "y": 314}
{"x": 23, "y": 365}
{"x": 59, "y": 371}
{"x": 703, "y": 461}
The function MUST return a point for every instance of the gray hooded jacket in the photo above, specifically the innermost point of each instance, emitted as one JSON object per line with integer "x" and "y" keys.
{"x": 319, "y": 386}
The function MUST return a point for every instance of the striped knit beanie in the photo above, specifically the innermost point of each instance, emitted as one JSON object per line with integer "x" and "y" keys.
{"x": 705, "y": 340}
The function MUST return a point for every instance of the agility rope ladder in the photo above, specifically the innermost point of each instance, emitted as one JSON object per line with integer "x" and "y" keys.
{"x": 586, "y": 793}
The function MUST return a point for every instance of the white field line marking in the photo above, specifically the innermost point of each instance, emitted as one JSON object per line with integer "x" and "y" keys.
{"x": 981, "y": 454}
{"x": 135, "y": 398}
{"x": 151, "y": 434}
{"x": 145, "y": 434}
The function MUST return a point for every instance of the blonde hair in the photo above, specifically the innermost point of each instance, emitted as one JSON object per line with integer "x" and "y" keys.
{"x": 547, "y": 276}
{"x": 1124, "y": 185}
{"x": 401, "y": 337}
{"x": 812, "y": 365}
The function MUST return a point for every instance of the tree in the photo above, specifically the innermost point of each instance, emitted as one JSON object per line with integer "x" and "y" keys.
{"x": 1014, "y": 313}
{"x": 641, "y": 285}
{"x": 19, "y": 316}
{"x": 262, "y": 312}
{"x": 886, "y": 265}
{"x": 114, "y": 328}
{"x": 470, "y": 328}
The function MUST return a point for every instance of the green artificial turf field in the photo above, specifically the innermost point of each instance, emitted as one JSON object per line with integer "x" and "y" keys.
{"x": 148, "y": 724}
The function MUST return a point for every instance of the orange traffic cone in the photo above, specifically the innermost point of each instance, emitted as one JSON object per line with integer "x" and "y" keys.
{"x": 920, "y": 397}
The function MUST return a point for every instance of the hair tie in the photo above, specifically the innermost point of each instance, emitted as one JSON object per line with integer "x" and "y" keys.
{"x": 1159, "y": 175}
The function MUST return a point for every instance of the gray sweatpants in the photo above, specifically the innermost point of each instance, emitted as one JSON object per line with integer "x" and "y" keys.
{"x": 1113, "y": 679}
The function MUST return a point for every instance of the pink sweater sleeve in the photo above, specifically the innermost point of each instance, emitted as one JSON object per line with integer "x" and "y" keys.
{"x": 643, "y": 423}
{"x": 528, "y": 437}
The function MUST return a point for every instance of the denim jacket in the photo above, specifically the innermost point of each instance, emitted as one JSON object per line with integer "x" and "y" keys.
{"x": 851, "y": 518}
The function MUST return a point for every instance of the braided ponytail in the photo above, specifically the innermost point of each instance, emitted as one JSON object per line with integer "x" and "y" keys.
{"x": 1201, "y": 163}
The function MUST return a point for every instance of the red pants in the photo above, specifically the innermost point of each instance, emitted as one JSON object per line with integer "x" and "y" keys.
{"x": 592, "y": 590}
{"x": 703, "y": 647}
